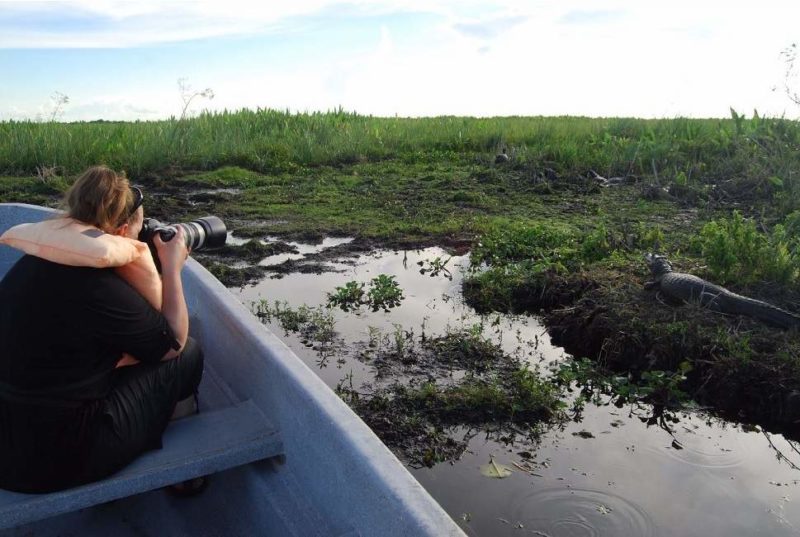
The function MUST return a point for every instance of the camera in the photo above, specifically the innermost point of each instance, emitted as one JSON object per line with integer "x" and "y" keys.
{"x": 205, "y": 232}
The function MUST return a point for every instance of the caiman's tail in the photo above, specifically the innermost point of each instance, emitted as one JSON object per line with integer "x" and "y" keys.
{"x": 763, "y": 311}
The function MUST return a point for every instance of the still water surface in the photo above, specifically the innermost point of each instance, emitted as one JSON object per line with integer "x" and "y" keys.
{"x": 618, "y": 477}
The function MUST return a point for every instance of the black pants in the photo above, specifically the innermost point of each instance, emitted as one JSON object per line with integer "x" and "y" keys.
{"x": 53, "y": 449}
{"x": 137, "y": 410}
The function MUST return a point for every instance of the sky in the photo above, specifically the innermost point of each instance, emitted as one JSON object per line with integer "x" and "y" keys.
{"x": 142, "y": 60}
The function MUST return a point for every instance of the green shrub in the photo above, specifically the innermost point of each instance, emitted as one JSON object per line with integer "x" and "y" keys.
{"x": 540, "y": 243}
{"x": 595, "y": 245}
{"x": 735, "y": 250}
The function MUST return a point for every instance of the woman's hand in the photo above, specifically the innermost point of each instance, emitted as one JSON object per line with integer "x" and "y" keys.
{"x": 172, "y": 253}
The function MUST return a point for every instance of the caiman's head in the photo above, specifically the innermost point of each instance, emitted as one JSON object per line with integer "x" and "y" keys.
{"x": 658, "y": 264}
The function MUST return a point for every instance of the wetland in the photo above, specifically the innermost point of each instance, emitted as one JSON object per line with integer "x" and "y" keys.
{"x": 490, "y": 321}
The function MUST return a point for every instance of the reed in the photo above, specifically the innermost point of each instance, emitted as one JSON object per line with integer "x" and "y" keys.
{"x": 268, "y": 139}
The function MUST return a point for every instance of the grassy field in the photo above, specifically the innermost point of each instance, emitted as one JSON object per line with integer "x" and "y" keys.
{"x": 720, "y": 197}
{"x": 687, "y": 152}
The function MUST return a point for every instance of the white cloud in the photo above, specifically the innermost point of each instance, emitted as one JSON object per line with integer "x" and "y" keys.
{"x": 112, "y": 108}
{"x": 611, "y": 58}
{"x": 119, "y": 24}
{"x": 632, "y": 65}
{"x": 488, "y": 29}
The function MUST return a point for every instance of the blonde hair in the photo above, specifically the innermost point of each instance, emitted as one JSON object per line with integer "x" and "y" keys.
{"x": 100, "y": 197}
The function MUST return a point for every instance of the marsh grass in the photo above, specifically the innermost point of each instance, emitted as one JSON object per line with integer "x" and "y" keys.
{"x": 762, "y": 152}
{"x": 314, "y": 325}
{"x": 549, "y": 237}
{"x": 428, "y": 415}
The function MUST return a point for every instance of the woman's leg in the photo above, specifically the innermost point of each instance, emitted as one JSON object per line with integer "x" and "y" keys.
{"x": 137, "y": 410}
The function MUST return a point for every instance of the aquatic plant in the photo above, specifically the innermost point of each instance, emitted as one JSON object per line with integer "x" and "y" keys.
{"x": 656, "y": 387}
{"x": 315, "y": 325}
{"x": 419, "y": 420}
{"x": 434, "y": 267}
{"x": 348, "y": 297}
{"x": 384, "y": 293}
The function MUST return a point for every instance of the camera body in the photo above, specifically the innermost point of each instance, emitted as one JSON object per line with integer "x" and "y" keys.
{"x": 200, "y": 234}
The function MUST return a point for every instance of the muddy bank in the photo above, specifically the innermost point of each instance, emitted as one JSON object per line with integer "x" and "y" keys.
{"x": 740, "y": 367}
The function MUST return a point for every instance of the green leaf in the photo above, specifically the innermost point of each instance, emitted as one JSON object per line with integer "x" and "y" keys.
{"x": 498, "y": 471}
{"x": 776, "y": 181}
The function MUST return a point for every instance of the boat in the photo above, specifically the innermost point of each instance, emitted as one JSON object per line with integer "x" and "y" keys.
{"x": 285, "y": 455}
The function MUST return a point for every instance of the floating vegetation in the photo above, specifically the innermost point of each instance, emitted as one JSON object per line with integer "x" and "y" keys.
{"x": 419, "y": 419}
{"x": 384, "y": 293}
{"x": 434, "y": 267}
{"x": 348, "y": 297}
{"x": 658, "y": 388}
{"x": 453, "y": 386}
{"x": 314, "y": 325}
{"x": 498, "y": 471}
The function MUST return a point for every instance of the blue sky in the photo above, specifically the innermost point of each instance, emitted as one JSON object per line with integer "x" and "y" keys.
{"x": 122, "y": 60}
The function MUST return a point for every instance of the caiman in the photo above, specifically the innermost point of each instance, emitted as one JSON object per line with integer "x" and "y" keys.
{"x": 695, "y": 290}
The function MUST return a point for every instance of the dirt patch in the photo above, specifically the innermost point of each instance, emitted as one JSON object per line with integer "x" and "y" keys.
{"x": 533, "y": 293}
{"x": 301, "y": 266}
{"x": 252, "y": 251}
{"x": 320, "y": 262}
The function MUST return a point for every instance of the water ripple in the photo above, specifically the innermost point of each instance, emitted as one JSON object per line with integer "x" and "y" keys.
{"x": 581, "y": 512}
{"x": 705, "y": 448}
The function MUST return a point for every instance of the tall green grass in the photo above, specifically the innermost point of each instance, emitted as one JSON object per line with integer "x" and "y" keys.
{"x": 761, "y": 150}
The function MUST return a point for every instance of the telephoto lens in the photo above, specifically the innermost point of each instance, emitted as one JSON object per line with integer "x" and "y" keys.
{"x": 206, "y": 232}
{"x": 200, "y": 234}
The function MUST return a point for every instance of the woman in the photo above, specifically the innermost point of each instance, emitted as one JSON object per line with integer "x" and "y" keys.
{"x": 68, "y": 415}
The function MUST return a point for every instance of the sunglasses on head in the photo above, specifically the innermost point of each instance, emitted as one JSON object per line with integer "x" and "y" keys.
{"x": 138, "y": 199}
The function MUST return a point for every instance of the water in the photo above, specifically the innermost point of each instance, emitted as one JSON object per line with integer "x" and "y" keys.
{"x": 303, "y": 250}
{"x": 619, "y": 477}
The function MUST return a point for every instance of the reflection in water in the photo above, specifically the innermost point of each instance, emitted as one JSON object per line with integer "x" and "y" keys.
{"x": 616, "y": 472}
{"x": 709, "y": 447}
{"x": 303, "y": 250}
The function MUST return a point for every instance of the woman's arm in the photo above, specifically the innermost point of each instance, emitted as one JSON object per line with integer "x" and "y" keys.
{"x": 172, "y": 255}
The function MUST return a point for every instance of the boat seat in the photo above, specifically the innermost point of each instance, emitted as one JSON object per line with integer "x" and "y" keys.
{"x": 198, "y": 445}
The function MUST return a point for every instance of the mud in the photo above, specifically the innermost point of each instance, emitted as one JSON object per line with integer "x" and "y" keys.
{"x": 252, "y": 251}
{"x": 741, "y": 367}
